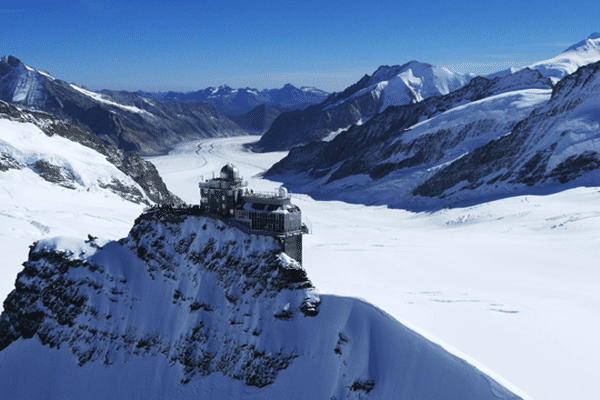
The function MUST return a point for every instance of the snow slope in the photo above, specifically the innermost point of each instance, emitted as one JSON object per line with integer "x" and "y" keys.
{"x": 186, "y": 307}
{"x": 86, "y": 169}
{"x": 513, "y": 283}
{"x": 435, "y": 143}
{"x": 409, "y": 83}
{"x": 84, "y": 196}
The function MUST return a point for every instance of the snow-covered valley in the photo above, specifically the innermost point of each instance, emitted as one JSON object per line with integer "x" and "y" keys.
{"x": 511, "y": 285}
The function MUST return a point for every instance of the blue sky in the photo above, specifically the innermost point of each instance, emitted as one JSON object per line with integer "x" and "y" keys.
{"x": 189, "y": 45}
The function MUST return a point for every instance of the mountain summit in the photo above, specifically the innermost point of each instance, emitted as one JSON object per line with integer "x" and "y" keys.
{"x": 186, "y": 306}
{"x": 580, "y": 54}
{"x": 388, "y": 86}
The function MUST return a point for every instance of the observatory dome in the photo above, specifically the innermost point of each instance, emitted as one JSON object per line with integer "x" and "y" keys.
{"x": 230, "y": 172}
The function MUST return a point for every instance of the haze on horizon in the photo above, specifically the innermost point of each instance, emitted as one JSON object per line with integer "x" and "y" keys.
{"x": 147, "y": 45}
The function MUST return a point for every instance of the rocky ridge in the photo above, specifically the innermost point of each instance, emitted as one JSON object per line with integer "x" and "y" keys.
{"x": 215, "y": 280}
{"x": 493, "y": 138}
{"x": 554, "y": 146}
{"x": 401, "y": 147}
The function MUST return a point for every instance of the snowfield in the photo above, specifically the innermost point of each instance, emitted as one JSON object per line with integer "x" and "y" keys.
{"x": 512, "y": 285}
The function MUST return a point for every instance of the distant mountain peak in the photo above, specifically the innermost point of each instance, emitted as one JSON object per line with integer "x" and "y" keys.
{"x": 591, "y": 42}
{"x": 385, "y": 72}
{"x": 11, "y": 60}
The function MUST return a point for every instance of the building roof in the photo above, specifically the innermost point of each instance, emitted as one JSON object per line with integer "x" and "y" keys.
{"x": 230, "y": 172}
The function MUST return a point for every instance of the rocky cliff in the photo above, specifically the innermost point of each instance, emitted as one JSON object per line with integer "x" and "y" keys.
{"x": 186, "y": 306}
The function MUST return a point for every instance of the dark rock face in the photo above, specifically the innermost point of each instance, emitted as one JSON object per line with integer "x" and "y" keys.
{"x": 143, "y": 172}
{"x": 524, "y": 156}
{"x": 7, "y": 162}
{"x": 258, "y": 119}
{"x": 316, "y": 122}
{"x": 221, "y": 284}
{"x": 128, "y": 121}
{"x": 32, "y": 309}
{"x": 55, "y": 174}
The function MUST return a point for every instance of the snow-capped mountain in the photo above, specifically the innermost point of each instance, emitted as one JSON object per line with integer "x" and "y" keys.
{"x": 186, "y": 306}
{"x": 67, "y": 155}
{"x": 555, "y": 147}
{"x": 583, "y": 53}
{"x": 388, "y": 86}
{"x": 129, "y": 121}
{"x": 229, "y": 101}
{"x": 383, "y": 160}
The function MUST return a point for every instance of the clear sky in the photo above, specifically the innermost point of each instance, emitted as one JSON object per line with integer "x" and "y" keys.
{"x": 190, "y": 45}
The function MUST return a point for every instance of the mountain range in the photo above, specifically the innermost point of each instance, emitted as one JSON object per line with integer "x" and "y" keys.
{"x": 516, "y": 133}
{"x": 149, "y": 123}
{"x": 229, "y": 101}
{"x": 128, "y": 121}
{"x": 185, "y": 306}
{"x": 388, "y": 86}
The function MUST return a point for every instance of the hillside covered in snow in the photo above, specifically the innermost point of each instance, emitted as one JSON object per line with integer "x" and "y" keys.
{"x": 384, "y": 160}
{"x": 57, "y": 178}
{"x": 68, "y": 155}
{"x": 388, "y": 86}
{"x": 186, "y": 306}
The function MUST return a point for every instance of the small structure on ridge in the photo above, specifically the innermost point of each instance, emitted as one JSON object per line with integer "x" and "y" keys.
{"x": 271, "y": 214}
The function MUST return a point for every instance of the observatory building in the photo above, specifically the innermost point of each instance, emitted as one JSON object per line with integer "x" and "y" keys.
{"x": 271, "y": 214}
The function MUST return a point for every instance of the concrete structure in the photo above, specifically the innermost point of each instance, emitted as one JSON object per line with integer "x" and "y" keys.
{"x": 271, "y": 214}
